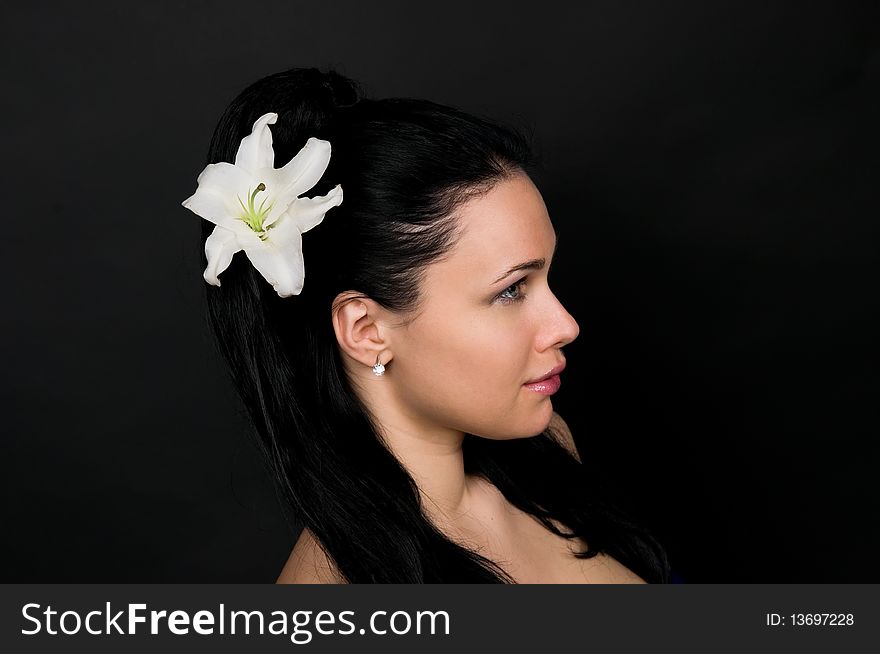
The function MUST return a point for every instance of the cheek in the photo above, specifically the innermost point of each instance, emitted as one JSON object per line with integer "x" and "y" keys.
{"x": 470, "y": 377}
{"x": 481, "y": 356}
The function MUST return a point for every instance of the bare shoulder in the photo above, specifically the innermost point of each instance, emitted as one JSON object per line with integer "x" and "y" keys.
{"x": 309, "y": 564}
{"x": 567, "y": 440}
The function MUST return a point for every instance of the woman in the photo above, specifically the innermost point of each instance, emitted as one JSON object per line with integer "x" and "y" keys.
{"x": 394, "y": 394}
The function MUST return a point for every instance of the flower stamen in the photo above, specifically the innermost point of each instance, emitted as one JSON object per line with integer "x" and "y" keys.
{"x": 253, "y": 217}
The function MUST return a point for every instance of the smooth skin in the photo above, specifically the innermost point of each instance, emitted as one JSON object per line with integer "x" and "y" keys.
{"x": 459, "y": 367}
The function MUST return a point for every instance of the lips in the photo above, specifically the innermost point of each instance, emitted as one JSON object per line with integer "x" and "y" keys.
{"x": 549, "y": 374}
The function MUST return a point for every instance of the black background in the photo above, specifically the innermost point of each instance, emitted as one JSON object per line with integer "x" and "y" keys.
{"x": 711, "y": 168}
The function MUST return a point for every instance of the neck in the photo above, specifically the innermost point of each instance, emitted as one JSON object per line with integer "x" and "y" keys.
{"x": 432, "y": 455}
{"x": 435, "y": 461}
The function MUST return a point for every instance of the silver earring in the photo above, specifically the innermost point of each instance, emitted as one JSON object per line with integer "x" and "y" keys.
{"x": 378, "y": 369}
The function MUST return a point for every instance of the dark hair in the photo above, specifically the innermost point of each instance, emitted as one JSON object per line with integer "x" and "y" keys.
{"x": 404, "y": 166}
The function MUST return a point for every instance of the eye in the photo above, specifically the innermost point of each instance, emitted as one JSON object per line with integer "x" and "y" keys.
{"x": 505, "y": 298}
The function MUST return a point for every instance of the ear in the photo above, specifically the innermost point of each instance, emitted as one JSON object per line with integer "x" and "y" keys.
{"x": 360, "y": 328}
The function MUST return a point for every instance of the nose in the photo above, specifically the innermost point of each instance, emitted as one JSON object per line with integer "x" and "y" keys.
{"x": 559, "y": 327}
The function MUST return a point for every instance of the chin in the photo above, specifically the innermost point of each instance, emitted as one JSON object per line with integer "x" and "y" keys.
{"x": 546, "y": 413}
{"x": 538, "y": 422}
{"x": 532, "y": 424}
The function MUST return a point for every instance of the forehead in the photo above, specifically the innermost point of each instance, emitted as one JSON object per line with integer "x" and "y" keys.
{"x": 505, "y": 226}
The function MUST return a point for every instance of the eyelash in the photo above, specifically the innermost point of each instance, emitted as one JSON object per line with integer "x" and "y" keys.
{"x": 505, "y": 300}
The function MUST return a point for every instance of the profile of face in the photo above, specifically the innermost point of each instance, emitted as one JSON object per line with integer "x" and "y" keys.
{"x": 486, "y": 326}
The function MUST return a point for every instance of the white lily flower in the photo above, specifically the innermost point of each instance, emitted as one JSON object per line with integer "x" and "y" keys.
{"x": 270, "y": 232}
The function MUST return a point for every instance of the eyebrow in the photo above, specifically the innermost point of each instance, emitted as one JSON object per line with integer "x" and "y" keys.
{"x": 533, "y": 264}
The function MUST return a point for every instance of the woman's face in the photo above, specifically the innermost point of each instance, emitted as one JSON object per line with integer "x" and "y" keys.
{"x": 482, "y": 331}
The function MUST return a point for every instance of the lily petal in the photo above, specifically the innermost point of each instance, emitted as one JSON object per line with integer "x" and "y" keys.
{"x": 280, "y": 263}
{"x": 219, "y": 248}
{"x": 214, "y": 200}
{"x": 255, "y": 150}
{"x": 300, "y": 173}
{"x": 306, "y": 213}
